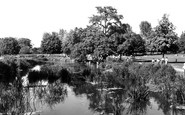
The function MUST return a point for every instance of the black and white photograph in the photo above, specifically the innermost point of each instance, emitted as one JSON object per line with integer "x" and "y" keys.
{"x": 92, "y": 57}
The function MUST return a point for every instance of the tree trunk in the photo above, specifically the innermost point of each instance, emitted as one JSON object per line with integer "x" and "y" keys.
{"x": 120, "y": 57}
{"x": 163, "y": 55}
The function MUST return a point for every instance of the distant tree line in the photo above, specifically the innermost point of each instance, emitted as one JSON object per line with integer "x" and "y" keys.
{"x": 105, "y": 35}
{"x": 11, "y": 46}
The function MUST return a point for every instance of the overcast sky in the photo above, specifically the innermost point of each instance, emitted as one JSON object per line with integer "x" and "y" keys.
{"x": 31, "y": 18}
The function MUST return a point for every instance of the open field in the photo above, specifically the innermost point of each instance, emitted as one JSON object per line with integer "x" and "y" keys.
{"x": 176, "y": 60}
{"x": 172, "y": 58}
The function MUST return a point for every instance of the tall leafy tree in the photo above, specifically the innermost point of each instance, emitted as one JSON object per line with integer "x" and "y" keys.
{"x": 109, "y": 22}
{"x": 145, "y": 28}
{"x": 165, "y": 27}
{"x": 82, "y": 42}
{"x": 91, "y": 38}
{"x": 119, "y": 36}
{"x": 51, "y": 43}
{"x": 133, "y": 44}
{"x": 106, "y": 18}
{"x": 74, "y": 36}
{"x": 166, "y": 37}
{"x": 9, "y": 45}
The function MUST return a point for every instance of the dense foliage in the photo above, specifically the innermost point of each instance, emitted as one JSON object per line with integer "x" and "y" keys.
{"x": 51, "y": 43}
{"x": 9, "y": 46}
{"x": 164, "y": 39}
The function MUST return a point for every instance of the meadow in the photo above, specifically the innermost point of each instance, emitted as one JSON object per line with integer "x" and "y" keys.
{"x": 175, "y": 60}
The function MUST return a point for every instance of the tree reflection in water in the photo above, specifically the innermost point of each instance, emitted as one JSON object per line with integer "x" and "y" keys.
{"x": 30, "y": 99}
{"x": 108, "y": 95}
{"x": 52, "y": 94}
{"x": 114, "y": 101}
{"x": 116, "y": 93}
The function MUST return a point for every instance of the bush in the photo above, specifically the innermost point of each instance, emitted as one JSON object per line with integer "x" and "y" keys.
{"x": 165, "y": 74}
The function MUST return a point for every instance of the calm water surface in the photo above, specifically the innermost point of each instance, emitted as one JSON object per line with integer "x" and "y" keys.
{"x": 64, "y": 97}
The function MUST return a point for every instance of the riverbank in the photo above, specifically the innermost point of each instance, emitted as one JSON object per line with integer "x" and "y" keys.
{"x": 13, "y": 66}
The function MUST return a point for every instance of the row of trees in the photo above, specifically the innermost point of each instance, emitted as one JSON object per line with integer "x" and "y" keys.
{"x": 10, "y": 45}
{"x": 106, "y": 35}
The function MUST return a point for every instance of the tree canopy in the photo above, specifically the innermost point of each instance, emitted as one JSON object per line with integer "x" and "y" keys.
{"x": 165, "y": 38}
{"x": 51, "y": 43}
{"x": 133, "y": 44}
{"x": 9, "y": 45}
{"x": 106, "y": 18}
{"x": 24, "y": 42}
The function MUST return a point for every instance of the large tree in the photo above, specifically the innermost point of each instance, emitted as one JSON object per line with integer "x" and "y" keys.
{"x": 9, "y": 45}
{"x": 133, "y": 44}
{"x": 166, "y": 38}
{"x": 119, "y": 36}
{"x": 109, "y": 22}
{"x": 73, "y": 37}
{"x": 82, "y": 42}
{"x": 103, "y": 38}
{"x": 106, "y": 18}
{"x": 51, "y": 43}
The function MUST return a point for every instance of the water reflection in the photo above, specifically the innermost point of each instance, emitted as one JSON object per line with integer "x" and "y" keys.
{"x": 53, "y": 86}
{"x": 52, "y": 94}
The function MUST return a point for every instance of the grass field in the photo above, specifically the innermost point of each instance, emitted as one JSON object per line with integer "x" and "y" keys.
{"x": 176, "y": 60}
{"x": 172, "y": 58}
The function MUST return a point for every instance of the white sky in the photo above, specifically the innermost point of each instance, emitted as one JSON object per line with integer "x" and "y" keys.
{"x": 31, "y": 18}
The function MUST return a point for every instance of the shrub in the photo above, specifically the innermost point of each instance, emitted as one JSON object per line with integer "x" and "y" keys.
{"x": 165, "y": 74}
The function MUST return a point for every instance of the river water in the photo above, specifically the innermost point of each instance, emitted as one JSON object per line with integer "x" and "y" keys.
{"x": 43, "y": 96}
